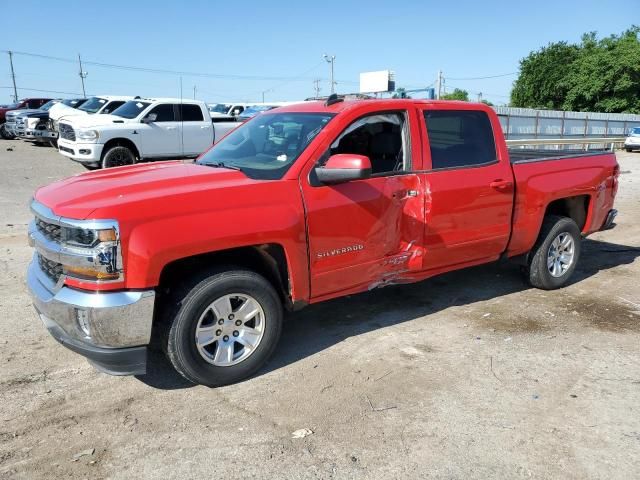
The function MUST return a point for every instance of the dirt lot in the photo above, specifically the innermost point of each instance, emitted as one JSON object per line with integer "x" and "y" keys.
{"x": 471, "y": 375}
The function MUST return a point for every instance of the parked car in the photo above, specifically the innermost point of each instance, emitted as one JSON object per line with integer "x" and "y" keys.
{"x": 33, "y": 125}
{"x": 632, "y": 142}
{"x": 12, "y": 116}
{"x": 253, "y": 110}
{"x": 142, "y": 129}
{"x": 94, "y": 105}
{"x": 302, "y": 204}
{"x": 226, "y": 110}
{"x": 31, "y": 103}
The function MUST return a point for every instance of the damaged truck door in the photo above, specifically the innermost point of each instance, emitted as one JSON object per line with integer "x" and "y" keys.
{"x": 369, "y": 231}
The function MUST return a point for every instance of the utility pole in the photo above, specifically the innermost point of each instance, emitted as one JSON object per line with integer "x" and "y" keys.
{"x": 439, "y": 84}
{"x": 194, "y": 92}
{"x": 479, "y": 97}
{"x": 330, "y": 60}
{"x": 83, "y": 75}
{"x": 13, "y": 77}
{"x": 316, "y": 87}
{"x": 263, "y": 96}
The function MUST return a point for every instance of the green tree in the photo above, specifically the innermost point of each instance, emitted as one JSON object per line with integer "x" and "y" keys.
{"x": 457, "y": 94}
{"x": 542, "y": 82}
{"x": 598, "y": 75}
{"x": 401, "y": 93}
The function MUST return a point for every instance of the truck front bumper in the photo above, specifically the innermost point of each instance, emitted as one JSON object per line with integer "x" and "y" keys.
{"x": 90, "y": 153}
{"x": 111, "y": 329}
{"x": 39, "y": 135}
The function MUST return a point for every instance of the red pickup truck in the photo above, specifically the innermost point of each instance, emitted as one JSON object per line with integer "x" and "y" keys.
{"x": 301, "y": 204}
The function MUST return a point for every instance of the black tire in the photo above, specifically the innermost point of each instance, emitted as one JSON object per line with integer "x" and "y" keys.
{"x": 538, "y": 272}
{"x": 53, "y": 143}
{"x": 5, "y": 134}
{"x": 629, "y": 149}
{"x": 184, "y": 309}
{"x": 117, "y": 157}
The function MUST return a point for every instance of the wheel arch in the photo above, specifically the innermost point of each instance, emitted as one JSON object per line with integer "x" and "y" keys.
{"x": 268, "y": 260}
{"x": 576, "y": 208}
{"x": 120, "y": 142}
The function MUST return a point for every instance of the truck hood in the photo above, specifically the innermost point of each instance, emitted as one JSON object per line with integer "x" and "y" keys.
{"x": 96, "y": 120}
{"x": 151, "y": 187}
{"x": 60, "y": 110}
{"x": 21, "y": 112}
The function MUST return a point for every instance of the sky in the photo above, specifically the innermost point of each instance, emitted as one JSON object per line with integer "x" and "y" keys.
{"x": 244, "y": 49}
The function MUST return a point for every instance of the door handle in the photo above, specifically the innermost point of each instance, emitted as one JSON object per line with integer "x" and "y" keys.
{"x": 171, "y": 128}
{"x": 501, "y": 184}
{"x": 205, "y": 127}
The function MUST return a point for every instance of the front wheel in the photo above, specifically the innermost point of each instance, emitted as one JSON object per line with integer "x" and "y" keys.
{"x": 223, "y": 327}
{"x": 4, "y": 133}
{"x": 555, "y": 254}
{"x": 628, "y": 149}
{"x": 117, "y": 157}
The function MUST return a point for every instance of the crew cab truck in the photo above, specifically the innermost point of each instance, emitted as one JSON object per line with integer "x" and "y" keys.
{"x": 299, "y": 205}
{"x": 141, "y": 129}
{"x": 26, "y": 103}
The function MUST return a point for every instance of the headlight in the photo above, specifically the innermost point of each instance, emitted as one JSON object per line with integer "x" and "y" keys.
{"x": 32, "y": 122}
{"x": 100, "y": 251}
{"x": 84, "y": 134}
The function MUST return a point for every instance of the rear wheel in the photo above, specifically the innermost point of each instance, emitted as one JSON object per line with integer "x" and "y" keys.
{"x": 555, "y": 254}
{"x": 117, "y": 157}
{"x": 628, "y": 149}
{"x": 223, "y": 327}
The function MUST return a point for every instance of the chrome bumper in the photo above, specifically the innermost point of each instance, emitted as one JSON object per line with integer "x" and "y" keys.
{"x": 608, "y": 222}
{"x": 34, "y": 134}
{"x": 111, "y": 329}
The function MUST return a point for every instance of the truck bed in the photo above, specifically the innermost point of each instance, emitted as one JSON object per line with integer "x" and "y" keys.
{"x": 541, "y": 177}
{"x": 521, "y": 155}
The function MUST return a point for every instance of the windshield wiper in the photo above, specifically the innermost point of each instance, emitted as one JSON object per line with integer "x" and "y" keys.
{"x": 222, "y": 165}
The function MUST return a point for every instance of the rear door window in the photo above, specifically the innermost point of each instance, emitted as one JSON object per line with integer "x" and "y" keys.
{"x": 191, "y": 113}
{"x": 459, "y": 138}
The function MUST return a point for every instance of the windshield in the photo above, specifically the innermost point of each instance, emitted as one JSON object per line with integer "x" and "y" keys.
{"x": 219, "y": 108}
{"x": 48, "y": 105}
{"x": 266, "y": 147}
{"x": 92, "y": 105}
{"x": 635, "y": 131}
{"x": 74, "y": 102}
{"x": 130, "y": 109}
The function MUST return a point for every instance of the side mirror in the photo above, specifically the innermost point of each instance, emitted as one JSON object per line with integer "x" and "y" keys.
{"x": 150, "y": 118}
{"x": 344, "y": 167}
{"x": 236, "y": 112}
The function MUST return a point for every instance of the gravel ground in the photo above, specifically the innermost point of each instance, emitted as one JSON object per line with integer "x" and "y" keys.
{"x": 470, "y": 375}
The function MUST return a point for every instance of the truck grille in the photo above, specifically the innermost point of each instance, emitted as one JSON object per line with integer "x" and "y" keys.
{"x": 51, "y": 269}
{"x": 49, "y": 230}
{"x": 67, "y": 132}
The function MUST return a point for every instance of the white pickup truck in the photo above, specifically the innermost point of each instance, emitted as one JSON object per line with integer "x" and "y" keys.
{"x": 141, "y": 129}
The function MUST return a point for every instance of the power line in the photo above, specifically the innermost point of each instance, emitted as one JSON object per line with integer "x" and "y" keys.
{"x": 160, "y": 70}
{"x": 483, "y": 78}
{"x": 44, "y": 91}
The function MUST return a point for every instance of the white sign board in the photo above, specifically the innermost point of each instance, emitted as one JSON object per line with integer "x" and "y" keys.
{"x": 375, "y": 82}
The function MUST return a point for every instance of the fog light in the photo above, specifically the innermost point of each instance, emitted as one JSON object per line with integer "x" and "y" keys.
{"x": 82, "y": 318}
{"x": 84, "y": 151}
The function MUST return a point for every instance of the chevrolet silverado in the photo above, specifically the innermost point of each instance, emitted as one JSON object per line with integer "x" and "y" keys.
{"x": 299, "y": 205}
